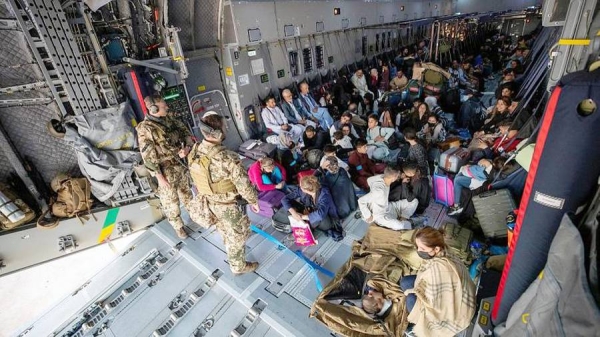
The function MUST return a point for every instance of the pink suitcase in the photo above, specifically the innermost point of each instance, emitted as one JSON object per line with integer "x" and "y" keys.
{"x": 443, "y": 188}
{"x": 269, "y": 202}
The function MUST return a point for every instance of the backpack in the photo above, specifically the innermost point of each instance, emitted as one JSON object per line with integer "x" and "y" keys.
{"x": 73, "y": 196}
{"x": 478, "y": 115}
{"x": 199, "y": 170}
{"x": 72, "y": 199}
{"x": 313, "y": 157}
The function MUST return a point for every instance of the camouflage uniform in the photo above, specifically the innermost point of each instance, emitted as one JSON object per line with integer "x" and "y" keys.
{"x": 231, "y": 223}
{"x": 160, "y": 141}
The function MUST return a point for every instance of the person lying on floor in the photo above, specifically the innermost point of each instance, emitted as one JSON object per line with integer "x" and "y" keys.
{"x": 413, "y": 187}
{"x": 505, "y": 141}
{"x": 267, "y": 175}
{"x": 314, "y": 204}
{"x": 383, "y": 299}
{"x": 441, "y": 298}
{"x": 339, "y": 184}
{"x": 375, "y": 207}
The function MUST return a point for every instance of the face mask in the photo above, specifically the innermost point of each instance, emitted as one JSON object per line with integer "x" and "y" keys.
{"x": 464, "y": 98}
{"x": 424, "y": 255}
{"x": 431, "y": 125}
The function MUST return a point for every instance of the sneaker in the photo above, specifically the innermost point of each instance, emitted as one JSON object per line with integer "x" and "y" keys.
{"x": 454, "y": 210}
{"x": 181, "y": 233}
{"x": 250, "y": 267}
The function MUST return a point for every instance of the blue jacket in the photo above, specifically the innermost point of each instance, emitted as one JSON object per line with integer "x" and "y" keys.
{"x": 323, "y": 207}
{"x": 478, "y": 172}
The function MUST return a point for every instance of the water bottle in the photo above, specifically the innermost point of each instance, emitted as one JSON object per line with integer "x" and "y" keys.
{"x": 10, "y": 210}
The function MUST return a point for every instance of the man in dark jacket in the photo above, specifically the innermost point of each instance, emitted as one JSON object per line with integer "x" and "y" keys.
{"x": 471, "y": 110}
{"x": 412, "y": 185}
{"x": 295, "y": 113}
{"x": 340, "y": 186}
{"x": 314, "y": 139}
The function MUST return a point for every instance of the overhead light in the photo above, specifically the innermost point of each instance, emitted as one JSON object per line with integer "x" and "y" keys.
{"x": 402, "y": 8}
{"x": 337, "y": 11}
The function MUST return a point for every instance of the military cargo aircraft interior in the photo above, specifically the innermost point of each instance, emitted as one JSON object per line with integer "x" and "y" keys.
{"x": 300, "y": 168}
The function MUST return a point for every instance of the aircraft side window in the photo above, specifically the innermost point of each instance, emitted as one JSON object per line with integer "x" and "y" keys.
{"x": 320, "y": 56}
{"x": 294, "y": 71}
{"x": 307, "y": 58}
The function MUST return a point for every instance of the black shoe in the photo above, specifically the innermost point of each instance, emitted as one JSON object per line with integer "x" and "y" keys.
{"x": 335, "y": 235}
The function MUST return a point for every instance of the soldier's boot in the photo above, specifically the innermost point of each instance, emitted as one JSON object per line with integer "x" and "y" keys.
{"x": 250, "y": 267}
{"x": 181, "y": 233}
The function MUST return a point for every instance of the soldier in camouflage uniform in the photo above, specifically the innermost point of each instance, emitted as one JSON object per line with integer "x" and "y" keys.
{"x": 222, "y": 181}
{"x": 164, "y": 141}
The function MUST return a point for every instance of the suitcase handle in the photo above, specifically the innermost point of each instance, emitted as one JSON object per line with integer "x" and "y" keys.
{"x": 487, "y": 194}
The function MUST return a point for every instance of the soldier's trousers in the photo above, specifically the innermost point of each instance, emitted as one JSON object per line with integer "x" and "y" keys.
{"x": 178, "y": 192}
{"x": 234, "y": 227}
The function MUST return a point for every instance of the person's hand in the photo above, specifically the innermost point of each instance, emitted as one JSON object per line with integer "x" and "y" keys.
{"x": 315, "y": 109}
{"x": 370, "y": 219}
{"x": 406, "y": 180}
{"x": 255, "y": 208}
{"x": 325, "y": 165}
{"x": 302, "y": 122}
{"x": 162, "y": 181}
{"x": 280, "y": 185}
{"x": 285, "y": 127}
{"x": 184, "y": 152}
{"x": 296, "y": 215}
{"x": 379, "y": 139}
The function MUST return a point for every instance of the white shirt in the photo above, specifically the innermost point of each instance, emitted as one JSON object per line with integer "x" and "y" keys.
{"x": 345, "y": 143}
{"x": 273, "y": 119}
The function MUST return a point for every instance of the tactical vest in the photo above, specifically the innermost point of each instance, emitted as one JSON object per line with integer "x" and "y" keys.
{"x": 199, "y": 170}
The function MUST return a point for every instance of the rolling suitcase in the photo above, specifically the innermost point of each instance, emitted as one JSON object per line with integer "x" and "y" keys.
{"x": 443, "y": 188}
{"x": 459, "y": 240}
{"x": 256, "y": 149}
{"x": 491, "y": 208}
{"x": 269, "y": 202}
{"x": 453, "y": 159}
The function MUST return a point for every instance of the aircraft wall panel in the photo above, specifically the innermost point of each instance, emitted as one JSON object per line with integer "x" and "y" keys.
{"x": 274, "y": 16}
{"x": 469, "y": 6}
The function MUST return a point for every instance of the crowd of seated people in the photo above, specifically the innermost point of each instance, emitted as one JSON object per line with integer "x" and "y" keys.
{"x": 365, "y": 123}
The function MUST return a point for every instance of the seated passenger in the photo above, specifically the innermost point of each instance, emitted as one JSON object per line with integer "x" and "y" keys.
{"x": 339, "y": 184}
{"x": 375, "y": 207}
{"x": 399, "y": 82}
{"x": 290, "y": 156}
{"x": 433, "y": 132}
{"x": 314, "y": 203}
{"x": 418, "y": 117}
{"x": 505, "y": 141}
{"x": 412, "y": 185}
{"x": 308, "y": 102}
{"x": 267, "y": 175}
{"x": 441, "y": 297}
{"x": 344, "y": 120}
{"x": 356, "y": 120}
{"x": 360, "y": 82}
{"x": 296, "y": 114}
{"x": 370, "y": 104}
{"x": 499, "y": 112}
{"x": 471, "y": 177}
{"x": 416, "y": 152}
{"x": 374, "y": 82}
{"x": 331, "y": 151}
{"x": 347, "y": 131}
{"x": 379, "y": 137}
{"x": 314, "y": 138}
{"x": 361, "y": 167}
{"x": 275, "y": 120}
{"x": 342, "y": 141}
